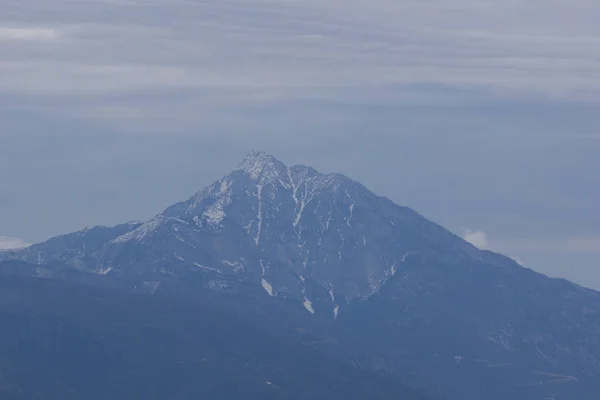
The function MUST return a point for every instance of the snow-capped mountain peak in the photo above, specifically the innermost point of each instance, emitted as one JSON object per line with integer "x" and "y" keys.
{"x": 259, "y": 165}
{"x": 300, "y": 233}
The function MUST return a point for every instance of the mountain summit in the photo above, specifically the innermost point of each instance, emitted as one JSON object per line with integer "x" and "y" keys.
{"x": 473, "y": 323}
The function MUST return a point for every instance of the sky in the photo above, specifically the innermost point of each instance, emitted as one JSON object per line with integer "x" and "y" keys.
{"x": 482, "y": 115}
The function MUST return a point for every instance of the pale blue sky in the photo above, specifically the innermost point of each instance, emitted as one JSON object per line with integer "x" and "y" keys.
{"x": 481, "y": 115}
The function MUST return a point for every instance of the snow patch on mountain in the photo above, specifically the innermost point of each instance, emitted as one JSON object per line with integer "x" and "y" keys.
{"x": 215, "y": 214}
{"x": 259, "y": 216}
{"x": 261, "y": 165}
{"x": 104, "y": 271}
{"x": 349, "y": 219}
{"x": 204, "y": 267}
{"x": 267, "y": 286}
{"x": 236, "y": 265}
{"x": 308, "y": 305}
{"x": 146, "y": 229}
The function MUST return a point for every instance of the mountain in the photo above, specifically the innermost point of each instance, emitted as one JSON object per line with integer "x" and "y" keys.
{"x": 64, "y": 341}
{"x": 323, "y": 240}
{"x": 322, "y": 249}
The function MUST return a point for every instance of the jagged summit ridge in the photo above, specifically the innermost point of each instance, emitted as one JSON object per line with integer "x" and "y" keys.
{"x": 265, "y": 168}
{"x": 258, "y": 174}
{"x": 258, "y": 163}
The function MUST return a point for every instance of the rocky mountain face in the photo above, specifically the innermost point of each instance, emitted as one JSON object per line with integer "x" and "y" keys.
{"x": 469, "y": 322}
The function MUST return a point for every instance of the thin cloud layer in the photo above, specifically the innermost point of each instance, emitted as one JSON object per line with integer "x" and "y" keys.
{"x": 28, "y": 34}
{"x": 286, "y": 49}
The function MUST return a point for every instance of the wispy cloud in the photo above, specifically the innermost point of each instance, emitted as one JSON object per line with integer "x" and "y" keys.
{"x": 569, "y": 244}
{"x": 28, "y": 34}
{"x": 9, "y": 243}
{"x": 300, "y": 46}
{"x": 477, "y": 238}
